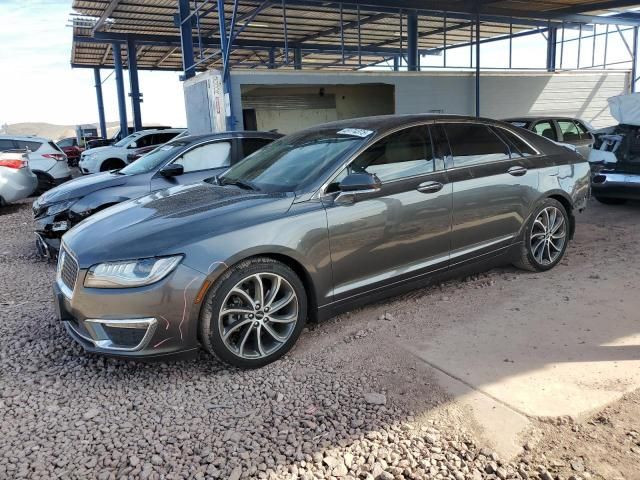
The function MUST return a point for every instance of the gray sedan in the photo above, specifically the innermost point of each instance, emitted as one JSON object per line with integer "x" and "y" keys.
{"x": 17, "y": 181}
{"x": 315, "y": 223}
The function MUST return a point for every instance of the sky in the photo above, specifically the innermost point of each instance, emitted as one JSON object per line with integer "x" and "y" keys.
{"x": 37, "y": 83}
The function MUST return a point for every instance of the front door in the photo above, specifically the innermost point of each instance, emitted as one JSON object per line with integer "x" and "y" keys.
{"x": 400, "y": 232}
{"x": 494, "y": 185}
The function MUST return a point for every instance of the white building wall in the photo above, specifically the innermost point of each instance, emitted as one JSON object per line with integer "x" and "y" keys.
{"x": 576, "y": 94}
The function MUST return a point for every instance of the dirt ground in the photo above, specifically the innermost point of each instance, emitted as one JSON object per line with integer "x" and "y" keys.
{"x": 68, "y": 414}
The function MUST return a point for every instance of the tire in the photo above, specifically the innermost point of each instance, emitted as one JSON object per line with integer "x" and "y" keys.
{"x": 248, "y": 341}
{"x": 554, "y": 245}
{"x": 111, "y": 164}
{"x": 45, "y": 182}
{"x": 611, "y": 201}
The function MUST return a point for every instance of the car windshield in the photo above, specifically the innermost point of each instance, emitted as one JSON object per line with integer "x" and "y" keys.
{"x": 127, "y": 140}
{"x": 293, "y": 161}
{"x": 153, "y": 159}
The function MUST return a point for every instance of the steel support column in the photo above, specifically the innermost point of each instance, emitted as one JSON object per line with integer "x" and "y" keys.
{"x": 186, "y": 39}
{"x": 552, "y": 40}
{"x": 103, "y": 123}
{"x": 272, "y": 58}
{"x": 224, "y": 47}
{"x": 478, "y": 63}
{"x": 134, "y": 85}
{"x": 413, "y": 59}
{"x": 634, "y": 61}
{"x": 122, "y": 105}
{"x": 396, "y": 63}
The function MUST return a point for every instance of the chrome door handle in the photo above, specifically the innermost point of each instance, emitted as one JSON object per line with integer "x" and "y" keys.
{"x": 517, "y": 171}
{"x": 429, "y": 187}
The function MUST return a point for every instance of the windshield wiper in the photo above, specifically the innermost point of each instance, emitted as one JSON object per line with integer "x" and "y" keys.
{"x": 246, "y": 185}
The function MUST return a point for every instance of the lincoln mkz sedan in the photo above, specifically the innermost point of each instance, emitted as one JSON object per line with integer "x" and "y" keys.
{"x": 311, "y": 225}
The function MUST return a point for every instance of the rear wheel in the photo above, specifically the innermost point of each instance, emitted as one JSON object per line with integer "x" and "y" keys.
{"x": 254, "y": 313}
{"x": 111, "y": 164}
{"x": 546, "y": 237}
{"x": 611, "y": 201}
{"x": 45, "y": 182}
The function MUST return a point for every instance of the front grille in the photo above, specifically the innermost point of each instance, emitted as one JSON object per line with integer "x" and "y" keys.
{"x": 68, "y": 268}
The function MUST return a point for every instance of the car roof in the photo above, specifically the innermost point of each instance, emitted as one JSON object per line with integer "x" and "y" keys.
{"x": 533, "y": 118}
{"x": 383, "y": 123}
{"x": 157, "y": 130}
{"x": 25, "y": 138}
{"x": 230, "y": 134}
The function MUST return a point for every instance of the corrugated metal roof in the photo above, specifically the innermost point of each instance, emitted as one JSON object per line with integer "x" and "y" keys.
{"x": 309, "y": 22}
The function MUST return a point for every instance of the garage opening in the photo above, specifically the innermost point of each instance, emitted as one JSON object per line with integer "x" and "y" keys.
{"x": 287, "y": 109}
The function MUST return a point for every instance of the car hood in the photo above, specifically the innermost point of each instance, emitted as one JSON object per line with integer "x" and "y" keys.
{"x": 165, "y": 221}
{"x": 81, "y": 186}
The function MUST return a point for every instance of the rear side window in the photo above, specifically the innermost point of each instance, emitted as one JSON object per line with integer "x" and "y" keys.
{"x": 29, "y": 145}
{"x": 55, "y": 147}
{"x": 546, "y": 130}
{"x": 474, "y": 144}
{"x": 569, "y": 130}
{"x": 518, "y": 146}
{"x": 250, "y": 145}
{"x": 145, "y": 141}
{"x": 400, "y": 155}
{"x": 6, "y": 144}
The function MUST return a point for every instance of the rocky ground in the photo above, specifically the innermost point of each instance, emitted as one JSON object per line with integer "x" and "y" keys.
{"x": 347, "y": 402}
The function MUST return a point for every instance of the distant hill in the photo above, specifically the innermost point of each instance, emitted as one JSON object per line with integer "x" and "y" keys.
{"x": 48, "y": 130}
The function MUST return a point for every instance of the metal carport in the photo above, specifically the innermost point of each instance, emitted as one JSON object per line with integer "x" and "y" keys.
{"x": 196, "y": 35}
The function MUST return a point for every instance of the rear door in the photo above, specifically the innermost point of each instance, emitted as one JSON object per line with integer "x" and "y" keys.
{"x": 574, "y": 133}
{"x": 200, "y": 162}
{"x": 400, "y": 232}
{"x": 493, "y": 189}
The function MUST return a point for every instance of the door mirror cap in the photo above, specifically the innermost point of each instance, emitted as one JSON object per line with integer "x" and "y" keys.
{"x": 172, "y": 170}
{"x": 133, "y": 145}
{"x": 357, "y": 185}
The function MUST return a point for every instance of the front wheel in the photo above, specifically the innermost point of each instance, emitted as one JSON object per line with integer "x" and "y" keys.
{"x": 254, "y": 313}
{"x": 546, "y": 237}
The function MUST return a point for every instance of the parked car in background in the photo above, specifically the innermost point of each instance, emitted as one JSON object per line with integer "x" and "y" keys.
{"x": 615, "y": 159}
{"x": 17, "y": 181}
{"x": 103, "y": 142}
{"x": 71, "y": 149}
{"x": 47, "y": 161}
{"x": 136, "y": 153}
{"x": 315, "y": 223}
{"x": 559, "y": 129}
{"x": 103, "y": 159}
{"x": 180, "y": 162}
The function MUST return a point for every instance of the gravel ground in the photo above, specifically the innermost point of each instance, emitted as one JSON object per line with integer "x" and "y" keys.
{"x": 345, "y": 403}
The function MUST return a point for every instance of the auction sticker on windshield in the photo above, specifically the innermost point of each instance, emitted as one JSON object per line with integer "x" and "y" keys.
{"x": 358, "y": 132}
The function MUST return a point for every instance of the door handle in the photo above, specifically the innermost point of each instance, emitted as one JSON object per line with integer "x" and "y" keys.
{"x": 429, "y": 187}
{"x": 517, "y": 171}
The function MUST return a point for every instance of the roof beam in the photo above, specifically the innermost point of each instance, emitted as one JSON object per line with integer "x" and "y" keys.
{"x": 105, "y": 15}
{"x": 592, "y": 7}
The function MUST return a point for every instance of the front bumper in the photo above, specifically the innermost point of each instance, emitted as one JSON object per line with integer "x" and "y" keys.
{"x": 49, "y": 230}
{"x": 157, "y": 321}
{"x": 616, "y": 185}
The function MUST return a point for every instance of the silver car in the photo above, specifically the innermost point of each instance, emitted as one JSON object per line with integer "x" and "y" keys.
{"x": 17, "y": 181}
{"x": 571, "y": 131}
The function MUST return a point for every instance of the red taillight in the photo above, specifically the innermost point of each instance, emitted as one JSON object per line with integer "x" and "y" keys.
{"x": 13, "y": 163}
{"x": 55, "y": 156}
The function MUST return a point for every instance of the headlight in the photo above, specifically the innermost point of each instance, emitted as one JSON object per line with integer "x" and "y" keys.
{"x": 133, "y": 273}
{"x": 60, "y": 207}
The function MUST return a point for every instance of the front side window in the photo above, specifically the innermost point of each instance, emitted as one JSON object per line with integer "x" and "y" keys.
{"x": 297, "y": 160}
{"x": 206, "y": 157}
{"x": 569, "y": 130}
{"x": 546, "y": 130}
{"x": 154, "y": 159}
{"x": 474, "y": 144}
{"x": 128, "y": 140}
{"x": 400, "y": 155}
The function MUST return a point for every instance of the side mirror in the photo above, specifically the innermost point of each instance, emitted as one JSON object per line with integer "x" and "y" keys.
{"x": 357, "y": 185}
{"x": 172, "y": 170}
{"x": 133, "y": 145}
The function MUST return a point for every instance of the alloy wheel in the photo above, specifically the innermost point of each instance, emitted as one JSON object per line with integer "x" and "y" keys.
{"x": 258, "y": 315}
{"x": 548, "y": 236}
